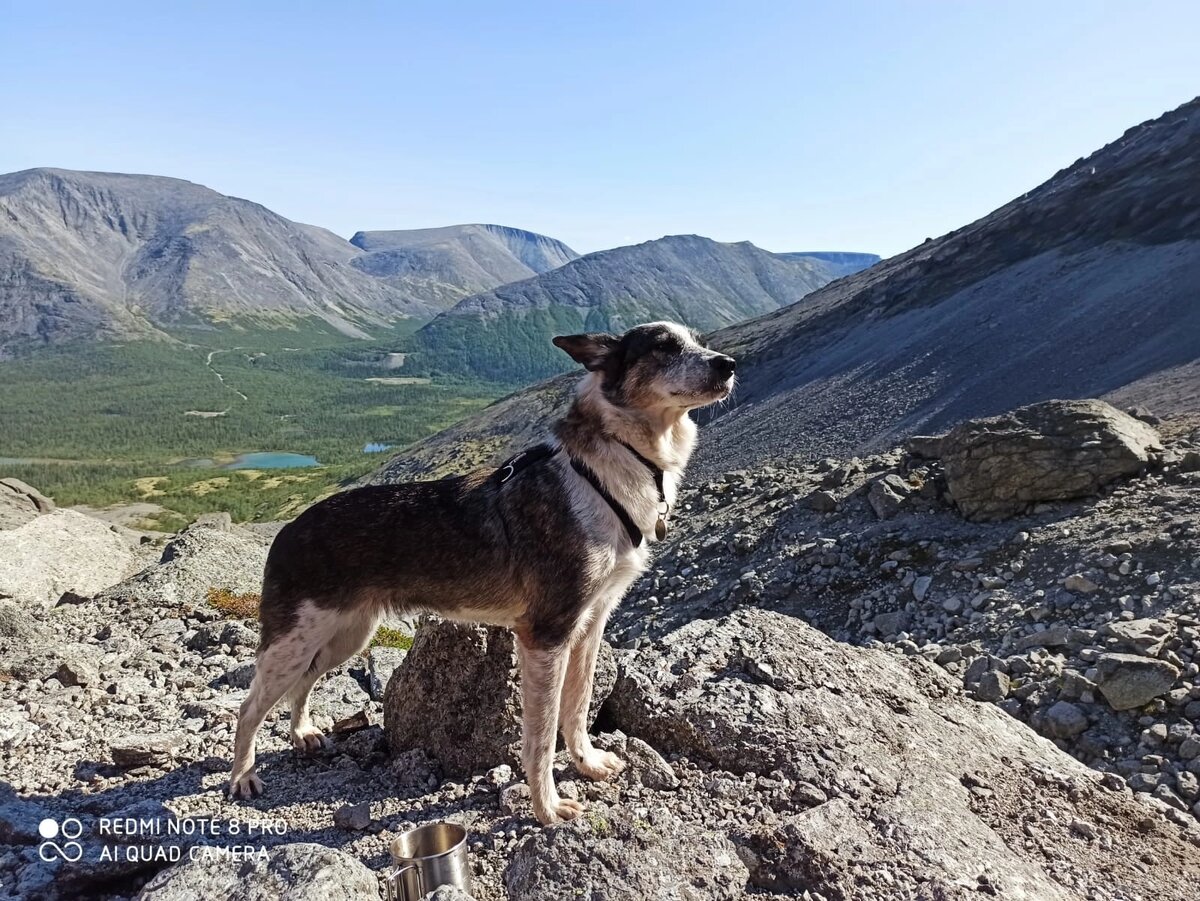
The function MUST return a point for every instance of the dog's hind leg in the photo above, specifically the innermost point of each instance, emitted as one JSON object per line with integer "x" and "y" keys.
{"x": 281, "y": 665}
{"x": 576, "y": 701}
{"x": 543, "y": 669}
{"x": 354, "y": 631}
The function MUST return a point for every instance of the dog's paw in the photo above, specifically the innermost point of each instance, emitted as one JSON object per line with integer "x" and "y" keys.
{"x": 599, "y": 766}
{"x": 309, "y": 740}
{"x": 559, "y": 811}
{"x": 248, "y": 786}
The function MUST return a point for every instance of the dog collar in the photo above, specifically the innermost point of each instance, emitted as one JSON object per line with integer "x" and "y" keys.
{"x": 663, "y": 509}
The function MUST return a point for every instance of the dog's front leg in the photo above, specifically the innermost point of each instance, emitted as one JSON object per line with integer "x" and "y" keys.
{"x": 577, "y": 700}
{"x": 542, "y": 672}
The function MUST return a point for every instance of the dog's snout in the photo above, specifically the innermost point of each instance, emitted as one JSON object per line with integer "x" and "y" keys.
{"x": 724, "y": 365}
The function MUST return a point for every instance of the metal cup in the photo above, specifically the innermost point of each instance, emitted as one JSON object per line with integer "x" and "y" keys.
{"x": 425, "y": 858}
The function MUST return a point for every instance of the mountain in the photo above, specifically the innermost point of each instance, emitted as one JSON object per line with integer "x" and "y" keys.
{"x": 505, "y": 333}
{"x": 92, "y": 254}
{"x": 839, "y": 263}
{"x": 1084, "y": 287}
{"x": 447, "y": 264}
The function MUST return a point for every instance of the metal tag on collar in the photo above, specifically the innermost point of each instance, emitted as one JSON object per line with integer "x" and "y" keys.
{"x": 660, "y": 527}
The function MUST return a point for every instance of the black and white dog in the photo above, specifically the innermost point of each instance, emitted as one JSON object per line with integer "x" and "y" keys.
{"x": 546, "y": 545}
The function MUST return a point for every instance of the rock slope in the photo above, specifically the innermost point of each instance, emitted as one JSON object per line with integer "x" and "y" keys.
{"x": 447, "y": 264}
{"x": 1078, "y": 288}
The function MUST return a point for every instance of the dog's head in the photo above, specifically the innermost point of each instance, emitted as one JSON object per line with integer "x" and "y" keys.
{"x": 654, "y": 366}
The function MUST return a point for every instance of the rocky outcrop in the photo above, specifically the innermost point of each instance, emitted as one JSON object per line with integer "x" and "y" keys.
{"x": 60, "y": 552}
{"x": 19, "y": 503}
{"x": 299, "y": 872}
{"x": 198, "y": 560}
{"x": 618, "y": 856}
{"x": 457, "y": 696}
{"x": 911, "y": 790}
{"x": 1052, "y": 451}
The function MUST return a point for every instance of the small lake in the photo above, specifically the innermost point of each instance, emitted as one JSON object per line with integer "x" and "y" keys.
{"x": 375, "y": 447}
{"x": 272, "y": 460}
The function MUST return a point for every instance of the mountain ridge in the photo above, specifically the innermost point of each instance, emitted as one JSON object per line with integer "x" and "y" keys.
{"x": 111, "y": 255}
{"x": 505, "y": 333}
{"x": 450, "y": 262}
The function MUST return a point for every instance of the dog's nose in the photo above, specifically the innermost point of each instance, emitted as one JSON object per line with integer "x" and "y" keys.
{"x": 724, "y": 365}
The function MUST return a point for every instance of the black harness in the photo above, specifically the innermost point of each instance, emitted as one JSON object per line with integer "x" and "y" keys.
{"x": 536, "y": 454}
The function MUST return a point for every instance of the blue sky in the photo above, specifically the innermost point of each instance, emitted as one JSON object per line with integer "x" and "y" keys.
{"x": 798, "y": 126}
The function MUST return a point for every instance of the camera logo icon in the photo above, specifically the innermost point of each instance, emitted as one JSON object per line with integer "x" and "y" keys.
{"x": 69, "y": 829}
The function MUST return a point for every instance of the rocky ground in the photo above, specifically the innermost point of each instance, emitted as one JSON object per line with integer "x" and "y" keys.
{"x": 905, "y": 747}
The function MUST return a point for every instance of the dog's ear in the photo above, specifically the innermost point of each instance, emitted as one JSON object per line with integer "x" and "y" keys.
{"x": 590, "y": 350}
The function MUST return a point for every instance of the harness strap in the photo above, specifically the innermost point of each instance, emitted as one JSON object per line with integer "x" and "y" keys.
{"x": 522, "y": 461}
{"x": 635, "y": 534}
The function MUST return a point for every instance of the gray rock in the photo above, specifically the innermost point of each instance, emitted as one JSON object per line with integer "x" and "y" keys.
{"x": 1080, "y": 584}
{"x": 20, "y": 503}
{"x": 833, "y": 707}
{"x": 920, "y": 588}
{"x": 62, "y": 551}
{"x": 887, "y": 495}
{"x": 448, "y": 893}
{"x": 1065, "y": 720}
{"x": 822, "y": 501}
{"x": 925, "y": 447}
{"x": 1055, "y": 450}
{"x": 993, "y": 686}
{"x": 1053, "y": 637}
{"x": 145, "y": 749}
{"x": 196, "y": 562}
{"x": 381, "y": 663}
{"x": 298, "y": 872}
{"x": 453, "y": 696}
{"x": 355, "y": 817}
{"x": 1128, "y": 681}
{"x": 240, "y": 676}
{"x": 892, "y": 622}
{"x": 1141, "y": 636}
{"x": 80, "y": 670}
{"x": 17, "y": 627}
{"x": 617, "y": 856}
{"x": 456, "y": 695}
{"x": 644, "y": 765}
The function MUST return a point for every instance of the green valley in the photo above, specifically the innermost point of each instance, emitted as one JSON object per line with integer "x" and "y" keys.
{"x": 157, "y": 422}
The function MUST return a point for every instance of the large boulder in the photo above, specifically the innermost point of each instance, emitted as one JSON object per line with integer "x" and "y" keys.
{"x": 915, "y": 791}
{"x": 619, "y": 857}
{"x": 20, "y": 503}
{"x": 457, "y": 695}
{"x": 1051, "y": 451}
{"x": 298, "y": 872}
{"x": 199, "y": 559}
{"x": 1128, "y": 681}
{"x": 59, "y": 552}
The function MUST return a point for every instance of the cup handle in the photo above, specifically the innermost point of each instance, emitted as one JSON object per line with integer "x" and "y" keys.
{"x": 391, "y": 882}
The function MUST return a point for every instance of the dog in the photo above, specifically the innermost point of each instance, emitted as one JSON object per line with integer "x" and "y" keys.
{"x": 546, "y": 545}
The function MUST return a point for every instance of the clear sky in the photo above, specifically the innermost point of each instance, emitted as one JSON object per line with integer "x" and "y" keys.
{"x": 795, "y": 125}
